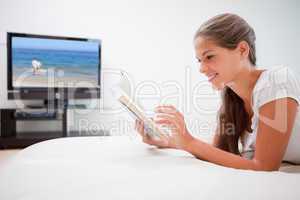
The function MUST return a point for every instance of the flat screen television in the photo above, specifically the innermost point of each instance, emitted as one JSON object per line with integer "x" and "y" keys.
{"x": 43, "y": 67}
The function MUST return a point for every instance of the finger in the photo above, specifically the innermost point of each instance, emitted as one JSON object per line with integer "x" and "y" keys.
{"x": 166, "y": 118}
{"x": 146, "y": 136}
{"x": 147, "y": 139}
{"x": 172, "y": 125}
{"x": 165, "y": 108}
{"x": 168, "y": 110}
{"x": 136, "y": 125}
{"x": 164, "y": 121}
{"x": 140, "y": 128}
{"x": 162, "y": 142}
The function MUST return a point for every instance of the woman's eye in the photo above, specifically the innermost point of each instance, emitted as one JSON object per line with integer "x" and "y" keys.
{"x": 209, "y": 57}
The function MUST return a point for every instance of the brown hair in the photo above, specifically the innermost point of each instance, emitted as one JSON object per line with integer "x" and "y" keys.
{"x": 228, "y": 30}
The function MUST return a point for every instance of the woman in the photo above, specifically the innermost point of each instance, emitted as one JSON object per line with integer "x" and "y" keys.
{"x": 259, "y": 107}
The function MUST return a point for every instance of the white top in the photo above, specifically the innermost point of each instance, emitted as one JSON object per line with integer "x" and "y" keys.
{"x": 274, "y": 83}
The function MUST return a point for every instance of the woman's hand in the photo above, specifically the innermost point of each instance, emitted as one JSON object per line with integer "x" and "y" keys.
{"x": 170, "y": 117}
{"x": 161, "y": 143}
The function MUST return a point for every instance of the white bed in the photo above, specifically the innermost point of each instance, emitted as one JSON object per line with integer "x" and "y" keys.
{"x": 119, "y": 167}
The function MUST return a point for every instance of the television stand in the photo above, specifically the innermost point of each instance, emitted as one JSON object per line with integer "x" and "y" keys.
{"x": 37, "y": 114}
{"x": 14, "y": 122}
{"x": 35, "y": 106}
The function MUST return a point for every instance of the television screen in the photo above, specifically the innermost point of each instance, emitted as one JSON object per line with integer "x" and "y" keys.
{"x": 52, "y": 62}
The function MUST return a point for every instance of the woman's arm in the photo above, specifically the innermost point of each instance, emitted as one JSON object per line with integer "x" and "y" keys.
{"x": 276, "y": 120}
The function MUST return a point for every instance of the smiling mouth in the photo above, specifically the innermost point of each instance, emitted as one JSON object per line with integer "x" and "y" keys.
{"x": 212, "y": 76}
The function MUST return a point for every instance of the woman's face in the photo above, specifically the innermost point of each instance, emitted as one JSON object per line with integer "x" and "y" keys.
{"x": 220, "y": 65}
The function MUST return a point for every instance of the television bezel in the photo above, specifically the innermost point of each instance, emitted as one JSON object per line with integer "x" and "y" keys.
{"x": 43, "y": 92}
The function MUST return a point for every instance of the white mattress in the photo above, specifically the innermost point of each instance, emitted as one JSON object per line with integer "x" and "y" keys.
{"x": 119, "y": 167}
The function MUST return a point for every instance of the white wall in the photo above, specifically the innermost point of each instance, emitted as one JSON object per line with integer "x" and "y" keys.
{"x": 152, "y": 40}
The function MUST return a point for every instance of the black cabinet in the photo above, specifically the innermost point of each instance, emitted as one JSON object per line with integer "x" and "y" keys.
{"x": 13, "y": 135}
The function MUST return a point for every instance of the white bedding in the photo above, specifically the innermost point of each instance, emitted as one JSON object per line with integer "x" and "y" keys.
{"x": 119, "y": 167}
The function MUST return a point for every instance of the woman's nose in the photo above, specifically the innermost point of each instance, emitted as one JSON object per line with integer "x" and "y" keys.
{"x": 203, "y": 68}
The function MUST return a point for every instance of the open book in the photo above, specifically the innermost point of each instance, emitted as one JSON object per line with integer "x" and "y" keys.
{"x": 150, "y": 127}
